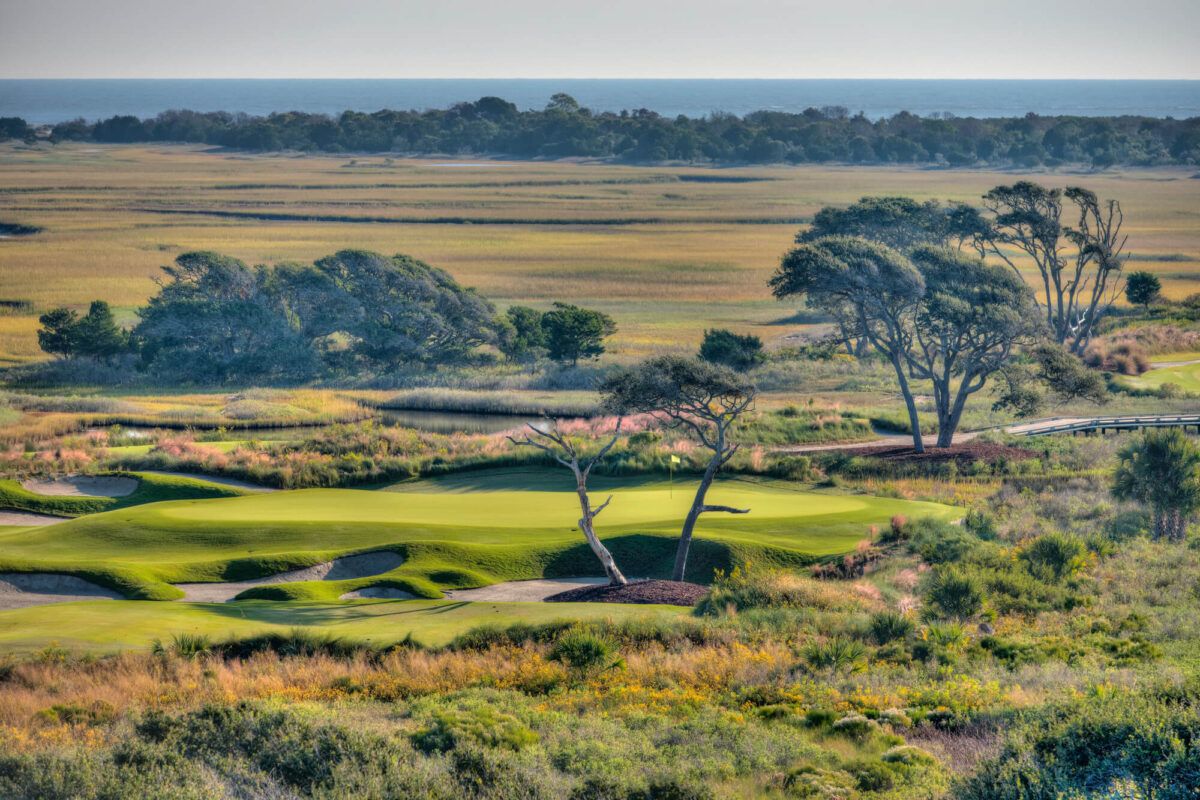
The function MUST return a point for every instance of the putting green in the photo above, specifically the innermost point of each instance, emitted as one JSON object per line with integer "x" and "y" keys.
{"x": 468, "y": 533}
{"x": 106, "y": 626}
{"x": 1185, "y": 376}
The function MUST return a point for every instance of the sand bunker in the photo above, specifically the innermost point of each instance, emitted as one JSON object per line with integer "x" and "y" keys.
{"x": 523, "y": 591}
{"x": 26, "y": 518}
{"x": 82, "y": 486}
{"x": 20, "y": 589}
{"x": 378, "y": 593}
{"x": 363, "y": 565}
{"x": 199, "y": 476}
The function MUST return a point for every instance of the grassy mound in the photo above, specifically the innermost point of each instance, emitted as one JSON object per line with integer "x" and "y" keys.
{"x": 151, "y": 489}
{"x": 466, "y": 533}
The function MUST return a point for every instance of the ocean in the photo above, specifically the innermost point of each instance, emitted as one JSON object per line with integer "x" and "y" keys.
{"x": 49, "y": 101}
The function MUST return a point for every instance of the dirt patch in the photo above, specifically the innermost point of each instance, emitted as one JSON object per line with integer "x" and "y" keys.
{"x": 82, "y": 486}
{"x": 378, "y": 593}
{"x": 24, "y": 589}
{"x": 27, "y": 519}
{"x": 231, "y": 482}
{"x": 524, "y": 591}
{"x": 363, "y": 565}
{"x": 671, "y": 593}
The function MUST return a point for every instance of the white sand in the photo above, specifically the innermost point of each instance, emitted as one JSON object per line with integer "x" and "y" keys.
{"x": 26, "y": 519}
{"x": 21, "y": 590}
{"x": 363, "y": 565}
{"x": 523, "y": 591}
{"x": 82, "y": 486}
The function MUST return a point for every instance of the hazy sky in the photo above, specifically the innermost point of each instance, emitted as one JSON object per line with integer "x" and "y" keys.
{"x": 601, "y": 38}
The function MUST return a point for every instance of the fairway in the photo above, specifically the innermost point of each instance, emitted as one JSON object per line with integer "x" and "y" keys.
{"x": 448, "y": 538}
{"x": 106, "y": 626}
{"x": 1185, "y": 376}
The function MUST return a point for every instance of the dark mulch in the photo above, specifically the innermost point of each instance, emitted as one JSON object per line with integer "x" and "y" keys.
{"x": 672, "y": 593}
{"x": 964, "y": 452}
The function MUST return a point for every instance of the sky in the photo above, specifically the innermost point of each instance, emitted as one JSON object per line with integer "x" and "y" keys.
{"x": 600, "y": 39}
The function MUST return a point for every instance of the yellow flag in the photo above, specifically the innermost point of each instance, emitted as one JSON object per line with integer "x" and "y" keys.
{"x": 674, "y": 459}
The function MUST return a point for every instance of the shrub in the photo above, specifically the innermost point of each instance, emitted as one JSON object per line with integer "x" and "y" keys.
{"x": 746, "y": 587}
{"x": 584, "y": 651}
{"x": 184, "y": 645}
{"x": 479, "y": 725}
{"x": 855, "y": 726}
{"x": 870, "y": 776}
{"x": 820, "y": 784}
{"x": 1055, "y": 555}
{"x": 730, "y": 349}
{"x": 837, "y": 654}
{"x": 907, "y": 754}
{"x": 889, "y": 626}
{"x": 953, "y": 593}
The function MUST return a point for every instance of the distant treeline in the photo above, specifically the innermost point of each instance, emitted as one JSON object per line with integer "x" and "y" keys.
{"x": 493, "y": 126}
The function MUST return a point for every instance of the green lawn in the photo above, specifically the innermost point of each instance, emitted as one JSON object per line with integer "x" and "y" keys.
{"x": 106, "y": 626}
{"x": 470, "y": 531}
{"x": 1186, "y": 377}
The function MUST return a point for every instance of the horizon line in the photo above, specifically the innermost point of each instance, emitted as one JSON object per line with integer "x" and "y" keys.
{"x": 582, "y": 78}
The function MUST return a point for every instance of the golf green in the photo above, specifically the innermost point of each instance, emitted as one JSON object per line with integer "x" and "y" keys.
{"x": 451, "y": 534}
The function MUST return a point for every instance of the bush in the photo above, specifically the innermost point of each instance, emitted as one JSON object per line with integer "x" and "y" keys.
{"x": 746, "y": 587}
{"x": 907, "y": 754}
{"x": 1055, "y": 556}
{"x": 855, "y": 726}
{"x": 836, "y": 655}
{"x": 889, "y": 626}
{"x": 584, "y": 651}
{"x": 953, "y": 593}
{"x": 728, "y": 348}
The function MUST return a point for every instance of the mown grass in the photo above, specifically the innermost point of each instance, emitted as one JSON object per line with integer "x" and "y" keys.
{"x": 695, "y": 267}
{"x": 473, "y": 532}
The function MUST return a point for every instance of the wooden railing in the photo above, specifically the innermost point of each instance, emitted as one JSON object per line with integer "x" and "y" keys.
{"x": 1105, "y": 424}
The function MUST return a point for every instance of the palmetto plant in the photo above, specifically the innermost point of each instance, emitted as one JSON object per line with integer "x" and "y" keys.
{"x": 1161, "y": 470}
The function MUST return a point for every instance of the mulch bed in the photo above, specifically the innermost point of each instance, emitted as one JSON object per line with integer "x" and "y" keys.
{"x": 672, "y": 593}
{"x": 964, "y": 452}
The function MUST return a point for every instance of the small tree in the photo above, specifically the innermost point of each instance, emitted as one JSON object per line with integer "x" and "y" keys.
{"x": 526, "y": 336}
{"x": 703, "y": 398}
{"x": 1142, "y": 288}
{"x": 98, "y": 335}
{"x": 560, "y": 447}
{"x": 730, "y": 349}
{"x": 572, "y": 333}
{"x": 1161, "y": 470}
{"x": 58, "y": 335}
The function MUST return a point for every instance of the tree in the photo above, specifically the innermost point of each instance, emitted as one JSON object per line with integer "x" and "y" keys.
{"x": 58, "y": 335}
{"x": 97, "y": 334}
{"x": 901, "y": 223}
{"x": 1079, "y": 266}
{"x": 572, "y": 333}
{"x": 872, "y": 291}
{"x": 728, "y": 348}
{"x": 1142, "y": 288}
{"x": 563, "y": 450}
{"x": 215, "y": 321}
{"x": 705, "y": 399}
{"x": 524, "y": 336}
{"x": 970, "y": 317}
{"x": 404, "y": 311}
{"x": 1048, "y": 372}
{"x": 1161, "y": 470}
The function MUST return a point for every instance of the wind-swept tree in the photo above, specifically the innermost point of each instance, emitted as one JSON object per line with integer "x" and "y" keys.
{"x": 704, "y": 399}
{"x": 970, "y": 318}
{"x": 1142, "y": 288}
{"x": 1079, "y": 265}
{"x": 872, "y": 290}
{"x": 1161, "y": 470}
{"x": 561, "y": 448}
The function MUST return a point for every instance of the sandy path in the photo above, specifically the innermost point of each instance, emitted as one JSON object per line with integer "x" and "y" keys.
{"x": 523, "y": 591}
{"x": 363, "y": 565}
{"x": 199, "y": 476}
{"x": 26, "y": 518}
{"x": 21, "y": 590}
{"x": 82, "y": 486}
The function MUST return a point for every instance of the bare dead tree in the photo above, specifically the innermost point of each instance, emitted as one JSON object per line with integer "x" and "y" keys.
{"x": 559, "y": 447}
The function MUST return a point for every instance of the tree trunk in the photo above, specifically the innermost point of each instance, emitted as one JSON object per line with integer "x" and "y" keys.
{"x": 913, "y": 420}
{"x": 948, "y": 422}
{"x": 689, "y": 524}
{"x": 585, "y": 524}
